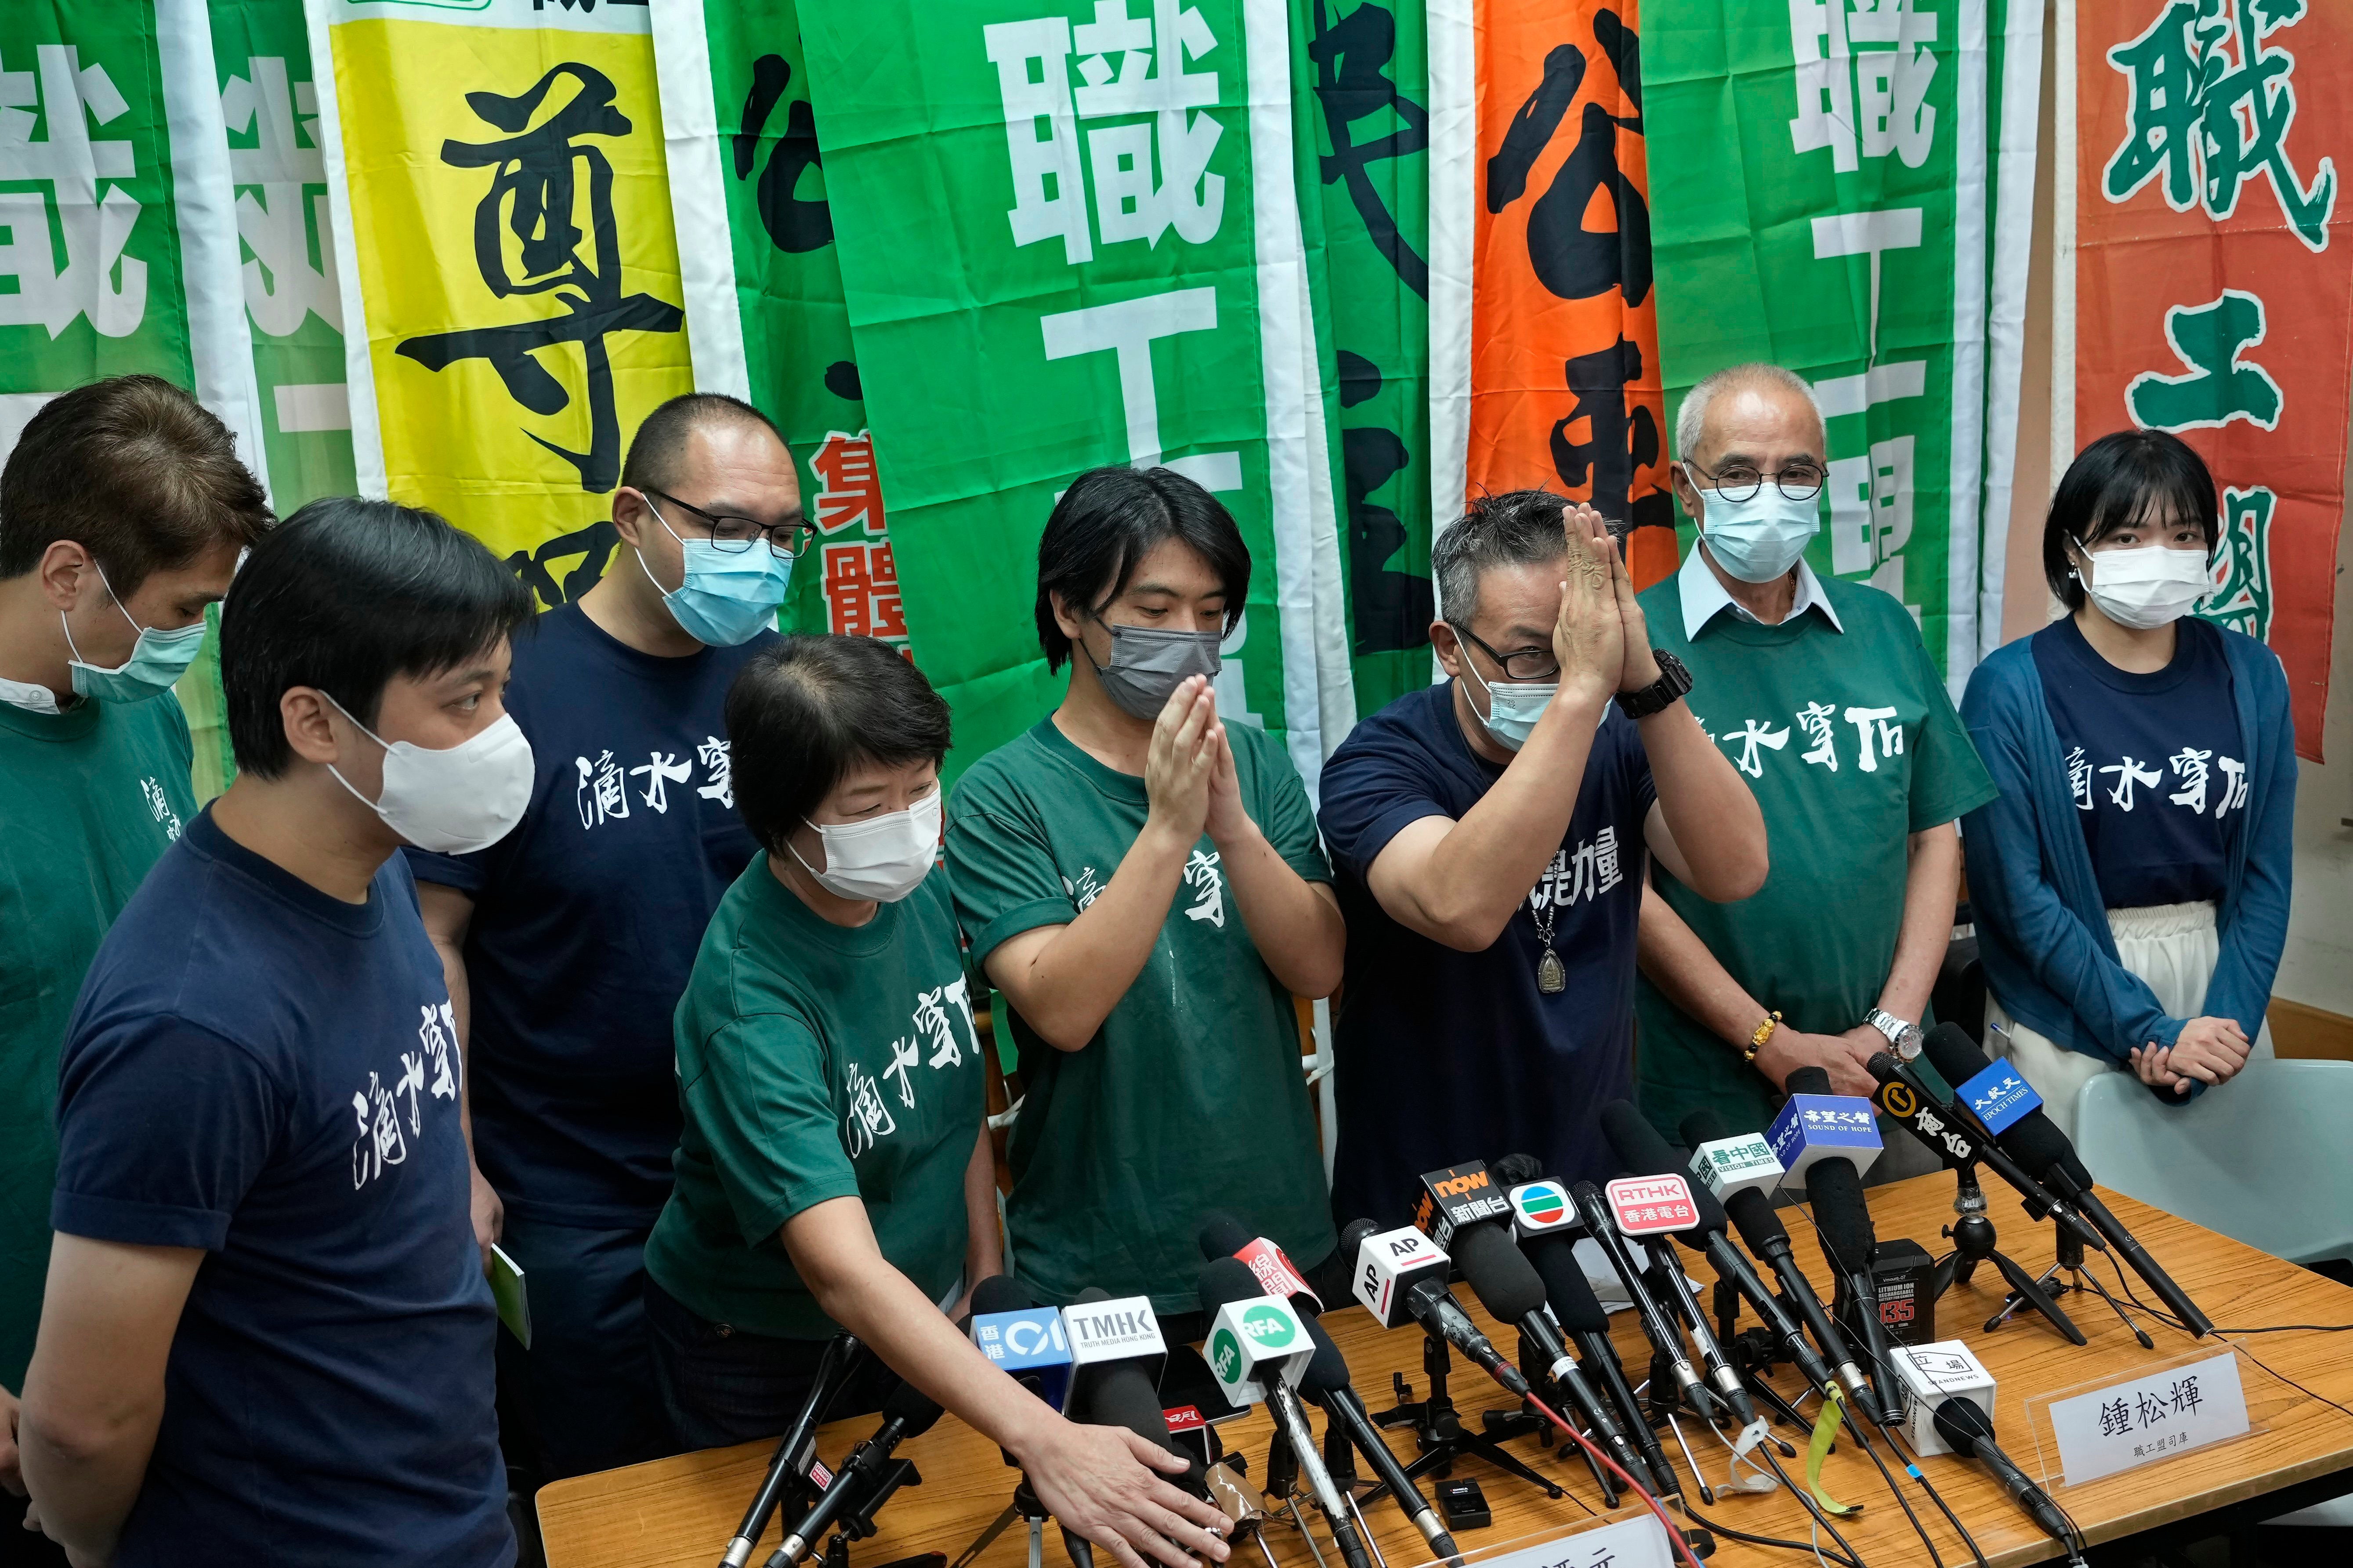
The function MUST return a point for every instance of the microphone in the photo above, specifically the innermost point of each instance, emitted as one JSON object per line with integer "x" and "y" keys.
{"x": 1326, "y": 1378}
{"x": 1117, "y": 1352}
{"x": 1646, "y": 1155}
{"x": 1260, "y": 1354}
{"x": 1401, "y": 1277}
{"x": 1570, "y": 1296}
{"x": 797, "y": 1450}
{"x": 1642, "y": 1147}
{"x": 1962, "y": 1425}
{"x": 1656, "y": 1324}
{"x": 908, "y": 1413}
{"x": 2035, "y": 1140}
{"x": 1748, "y": 1208}
{"x": 1817, "y": 1145}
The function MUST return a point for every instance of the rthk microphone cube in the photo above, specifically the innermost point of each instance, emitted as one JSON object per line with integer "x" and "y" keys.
{"x": 1253, "y": 1341}
{"x": 1999, "y": 1098}
{"x": 1652, "y": 1206}
{"x": 1727, "y": 1167}
{"x": 1122, "y": 1329}
{"x": 1390, "y": 1264}
{"x": 1029, "y": 1345}
{"x": 1813, "y": 1127}
{"x": 1459, "y": 1195}
{"x": 1541, "y": 1209}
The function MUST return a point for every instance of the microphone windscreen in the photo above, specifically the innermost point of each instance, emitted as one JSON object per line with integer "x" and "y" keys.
{"x": 1352, "y": 1238}
{"x": 1515, "y": 1170}
{"x": 1000, "y": 1293}
{"x": 1960, "y": 1423}
{"x": 1648, "y": 1155}
{"x": 912, "y": 1407}
{"x": 1841, "y": 1214}
{"x": 1953, "y": 1054}
{"x": 1227, "y": 1279}
{"x": 1222, "y": 1235}
{"x": 1808, "y": 1080}
{"x": 1090, "y": 1294}
{"x": 1328, "y": 1372}
{"x": 1497, "y": 1272}
{"x": 1704, "y": 1125}
{"x": 1565, "y": 1286}
{"x": 1750, "y": 1210}
{"x": 2034, "y": 1141}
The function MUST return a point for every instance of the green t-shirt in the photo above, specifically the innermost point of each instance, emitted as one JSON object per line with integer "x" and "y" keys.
{"x": 817, "y": 1062}
{"x": 1190, "y": 1098}
{"x": 92, "y": 797}
{"x": 1851, "y": 744}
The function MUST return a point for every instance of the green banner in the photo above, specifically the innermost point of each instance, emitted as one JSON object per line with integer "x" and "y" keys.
{"x": 1069, "y": 237}
{"x": 1822, "y": 190}
{"x": 1360, "y": 69}
{"x": 763, "y": 313}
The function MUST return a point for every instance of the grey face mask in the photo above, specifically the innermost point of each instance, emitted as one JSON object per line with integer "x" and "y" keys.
{"x": 1146, "y": 665}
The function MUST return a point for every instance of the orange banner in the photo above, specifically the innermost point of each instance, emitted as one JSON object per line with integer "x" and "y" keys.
{"x": 1565, "y": 390}
{"x": 2214, "y": 284}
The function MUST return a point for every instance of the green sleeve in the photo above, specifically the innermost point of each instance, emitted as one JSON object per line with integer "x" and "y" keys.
{"x": 1001, "y": 868}
{"x": 1284, "y": 813}
{"x": 1948, "y": 780}
{"x": 765, "y": 1108}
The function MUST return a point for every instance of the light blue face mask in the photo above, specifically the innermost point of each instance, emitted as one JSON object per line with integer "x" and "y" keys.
{"x": 1513, "y": 706}
{"x": 156, "y": 663}
{"x": 726, "y": 598}
{"x": 1759, "y": 539}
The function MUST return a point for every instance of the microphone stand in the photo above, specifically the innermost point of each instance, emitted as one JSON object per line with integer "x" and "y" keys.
{"x": 1439, "y": 1434}
{"x": 2069, "y": 1262}
{"x": 1973, "y": 1238}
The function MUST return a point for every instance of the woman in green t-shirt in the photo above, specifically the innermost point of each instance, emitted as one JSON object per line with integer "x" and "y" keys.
{"x": 834, "y": 1173}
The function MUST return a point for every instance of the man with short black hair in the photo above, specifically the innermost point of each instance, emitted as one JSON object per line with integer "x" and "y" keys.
{"x": 261, "y": 1193}
{"x": 568, "y": 944}
{"x": 123, "y": 509}
{"x": 1489, "y": 837}
{"x": 1141, "y": 882}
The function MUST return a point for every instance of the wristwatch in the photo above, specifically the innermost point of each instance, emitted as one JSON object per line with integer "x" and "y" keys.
{"x": 1902, "y": 1038}
{"x": 1673, "y": 682}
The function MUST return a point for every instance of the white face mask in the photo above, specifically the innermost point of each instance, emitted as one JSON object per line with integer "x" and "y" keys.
{"x": 1513, "y": 706}
{"x": 1759, "y": 539}
{"x": 2147, "y": 586}
{"x": 883, "y": 858}
{"x": 454, "y": 800}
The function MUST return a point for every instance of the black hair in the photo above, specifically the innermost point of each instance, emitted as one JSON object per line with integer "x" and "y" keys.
{"x": 2127, "y": 478}
{"x": 1516, "y": 527}
{"x": 344, "y": 596}
{"x": 659, "y": 446}
{"x": 808, "y": 708}
{"x": 1108, "y": 521}
{"x": 134, "y": 471}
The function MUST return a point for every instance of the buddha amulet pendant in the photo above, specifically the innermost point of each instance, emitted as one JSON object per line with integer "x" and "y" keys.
{"x": 1552, "y": 975}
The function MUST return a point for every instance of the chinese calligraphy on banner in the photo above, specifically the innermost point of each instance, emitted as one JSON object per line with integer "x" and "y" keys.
{"x": 1841, "y": 187}
{"x": 2205, "y": 283}
{"x": 509, "y": 270}
{"x": 1069, "y": 236}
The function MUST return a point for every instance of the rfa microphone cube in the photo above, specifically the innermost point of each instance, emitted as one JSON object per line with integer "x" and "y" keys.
{"x": 1816, "y": 1126}
{"x": 1031, "y": 1347}
{"x": 1122, "y": 1329}
{"x": 1457, "y": 1196}
{"x": 1999, "y": 1098}
{"x": 1390, "y": 1264}
{"x": 1255, "y": 1341}
{"x": 1541, "y": 1209}
{"x": 1727, "y": 1167}
{"x": 1930, "y": 1375}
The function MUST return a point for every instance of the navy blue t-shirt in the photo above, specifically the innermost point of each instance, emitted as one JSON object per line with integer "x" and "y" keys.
{"x": 264, "y": 1071}
{"x": 1444, "y": 1056}
{"x": 587, "y": 916}
{"x": 2154, "y": 762}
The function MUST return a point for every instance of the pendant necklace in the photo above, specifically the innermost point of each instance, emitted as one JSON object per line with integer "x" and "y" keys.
{"x": 1552, "y": 974}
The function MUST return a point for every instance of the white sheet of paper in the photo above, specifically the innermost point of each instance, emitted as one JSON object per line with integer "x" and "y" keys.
{"x": 2145, "y": 1419}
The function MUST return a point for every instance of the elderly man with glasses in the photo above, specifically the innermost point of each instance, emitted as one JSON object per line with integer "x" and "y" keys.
{"x": 1822, "y": 695}
{"x": 568, "y": 944}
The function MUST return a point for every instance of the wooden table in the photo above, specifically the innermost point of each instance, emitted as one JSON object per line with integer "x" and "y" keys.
{"x": 678, "y": 1512}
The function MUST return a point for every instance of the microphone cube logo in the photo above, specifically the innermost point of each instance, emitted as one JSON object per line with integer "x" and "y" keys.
{"x": 1114, "y": 1330}
{"x": 1248, "y": 1335}
{"x": 1270, "y": 1328}
{"x": 1389, "y": 1264}
{"x": 1540, "y": 1206}
{"x": 1999, "y": 1098}
{"x": 1725, "y": 1165}
{"x": 1652, "y": 1206}
{"x": 1225, "y": 1356}
{"x": 1456, "y": 1196}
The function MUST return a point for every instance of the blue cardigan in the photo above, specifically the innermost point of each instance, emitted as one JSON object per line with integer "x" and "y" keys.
{"x": 2043, "y": 932}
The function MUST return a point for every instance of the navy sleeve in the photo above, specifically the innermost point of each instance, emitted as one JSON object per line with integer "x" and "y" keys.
{"x": 1377, "y": 784}
{"x": 162, "y": 1126}
{"x": 467, "y": 873}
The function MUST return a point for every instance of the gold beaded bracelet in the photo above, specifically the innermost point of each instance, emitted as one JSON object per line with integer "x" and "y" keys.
{"x": 1759, "y": 1035}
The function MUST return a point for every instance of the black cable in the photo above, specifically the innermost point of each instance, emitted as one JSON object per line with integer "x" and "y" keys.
{"x": 1911, "y": 1469}
{"x": 1805, "y": 1501}
{"x": 1805, "y": 1546}
{"x": 2292, "y": 1328}
{"x": 1901, "y": 1502}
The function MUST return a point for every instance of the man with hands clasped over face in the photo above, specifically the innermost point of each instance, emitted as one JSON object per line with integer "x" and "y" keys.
{"x": 1489, "y": 835}
{"x": 1140, "y": 879}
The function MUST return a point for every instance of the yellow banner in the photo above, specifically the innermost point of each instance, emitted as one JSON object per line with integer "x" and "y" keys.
{"x": 511, "y": 263}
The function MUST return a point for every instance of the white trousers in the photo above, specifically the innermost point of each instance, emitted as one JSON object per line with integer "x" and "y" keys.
{"x": 2173, "y": 947}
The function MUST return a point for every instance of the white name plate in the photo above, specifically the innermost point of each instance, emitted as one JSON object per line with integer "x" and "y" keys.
{"x": 2152, "y": 1417}
{"x": 1626, "y": 1543}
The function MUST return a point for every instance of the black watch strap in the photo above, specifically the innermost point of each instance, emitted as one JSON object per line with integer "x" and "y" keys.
{"x": 1674, "y": 681}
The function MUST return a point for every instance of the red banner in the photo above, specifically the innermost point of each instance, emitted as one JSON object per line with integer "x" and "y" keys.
{"x": 1565, "y": 386}
{"x": 2213, "y": 283}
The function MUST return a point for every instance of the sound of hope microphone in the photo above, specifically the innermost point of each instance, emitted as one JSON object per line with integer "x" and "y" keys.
{"x": 1831, "y": 1139}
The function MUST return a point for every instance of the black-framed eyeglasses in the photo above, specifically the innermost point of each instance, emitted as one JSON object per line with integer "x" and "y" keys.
{"x": 1522, "y": 664}
{"x": 1739, "y": 482}
{"x": 734, "y": 535}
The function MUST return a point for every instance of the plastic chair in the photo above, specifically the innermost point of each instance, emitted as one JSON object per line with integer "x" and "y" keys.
{"x": 2253, "y": 1159}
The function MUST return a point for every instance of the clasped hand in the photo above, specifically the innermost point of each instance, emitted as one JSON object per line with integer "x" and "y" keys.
{"x": 2211, "y": 1050}
{"x": 1188, "y": 771}
{"x": 1599, "y": 638}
